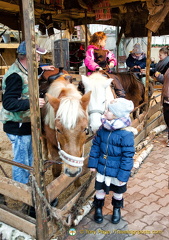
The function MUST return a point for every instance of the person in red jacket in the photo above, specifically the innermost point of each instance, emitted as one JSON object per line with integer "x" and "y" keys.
{"x": 99, "y": 58}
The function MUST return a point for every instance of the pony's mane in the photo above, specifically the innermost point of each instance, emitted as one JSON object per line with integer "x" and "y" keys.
{"x": 99, "y": 85}
{"x": 97, "y": 78}
{"x": 97, "y": 82}
{"x": 70, "y": 109}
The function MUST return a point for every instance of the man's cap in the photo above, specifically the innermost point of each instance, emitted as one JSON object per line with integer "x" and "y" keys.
{"x": 22, "y": 49}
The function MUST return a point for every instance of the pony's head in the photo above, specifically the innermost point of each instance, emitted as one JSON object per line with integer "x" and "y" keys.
{"x": 70, "y": 121}
{"x": 101, "y": 95}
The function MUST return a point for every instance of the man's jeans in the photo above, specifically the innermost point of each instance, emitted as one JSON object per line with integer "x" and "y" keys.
{"x": 22, "y": 150}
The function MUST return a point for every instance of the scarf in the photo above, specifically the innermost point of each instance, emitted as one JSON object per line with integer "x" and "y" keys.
{"x": 161, "y": 64}
{"x": 115, "y": 124}
{"x": 138, "y": 57}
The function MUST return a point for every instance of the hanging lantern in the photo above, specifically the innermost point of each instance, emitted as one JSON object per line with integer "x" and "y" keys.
{"x": 103, "y": 12}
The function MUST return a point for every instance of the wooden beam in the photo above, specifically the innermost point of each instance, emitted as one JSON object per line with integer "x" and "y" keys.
{"x": 9, "y": 45}
{"x": 17, "y": 222}
{"x": 66, "y": 208}
{"x": 29, "y": 27}
{"x": 156, "y": 20}
{"x": 58, "y": 185}
{"x": 143, "y": 134}
{"x": 146, "y": 96}
{"x": 16, "y": 190}
{"x": 5, "y": 5}
{"x": 117, "y": 3}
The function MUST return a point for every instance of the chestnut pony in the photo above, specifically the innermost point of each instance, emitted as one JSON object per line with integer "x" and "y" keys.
{"x": 65, "y": 122}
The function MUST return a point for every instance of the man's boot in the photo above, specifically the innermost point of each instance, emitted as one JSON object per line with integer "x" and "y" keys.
{"x": 117, "y": 204}
{"x": 98, "y": 204}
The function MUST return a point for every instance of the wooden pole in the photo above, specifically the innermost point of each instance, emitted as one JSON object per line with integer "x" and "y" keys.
{"x": 21, "y": 20}
{"x": 86, "y": 31}
{"x": 149, "y": 37}
{"x": 117, "y": 46}
{"x": 86, "y": 37}
{"x": 29, "y": 25}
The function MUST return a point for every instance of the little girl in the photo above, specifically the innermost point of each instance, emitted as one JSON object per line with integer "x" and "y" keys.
{"x": 111, "y": 155}
{"x": 98, "y": 58}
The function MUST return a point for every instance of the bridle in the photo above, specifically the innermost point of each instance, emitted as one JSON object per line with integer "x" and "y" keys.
{"x": 70, "y": 159}
{"x": 95, "y": 111}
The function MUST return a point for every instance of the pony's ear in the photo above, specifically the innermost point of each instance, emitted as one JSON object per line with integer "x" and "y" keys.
{"x": 85, "y": 80}
{"x": 63, "y": 92}
{"x": 54, "y": 102}
{"x": 85, "y": 100}
{"x": 108, "y": 82}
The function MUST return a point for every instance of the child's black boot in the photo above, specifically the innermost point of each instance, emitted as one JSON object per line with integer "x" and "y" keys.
{"x": 117, "y": 204}
{"x": 98, "y": 203}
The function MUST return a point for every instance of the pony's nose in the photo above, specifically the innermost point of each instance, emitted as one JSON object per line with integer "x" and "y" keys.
{"x": 72, "y": 174}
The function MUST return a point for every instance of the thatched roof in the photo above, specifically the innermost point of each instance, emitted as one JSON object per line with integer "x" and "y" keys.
{"x": 134, "y": 17}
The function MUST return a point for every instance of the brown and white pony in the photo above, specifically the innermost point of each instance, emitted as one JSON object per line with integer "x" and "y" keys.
{"x": 65, "y": 125}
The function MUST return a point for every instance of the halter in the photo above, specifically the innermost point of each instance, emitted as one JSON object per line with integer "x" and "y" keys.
{"x": 96, "y": 111}
{"x": 70, "y": 159}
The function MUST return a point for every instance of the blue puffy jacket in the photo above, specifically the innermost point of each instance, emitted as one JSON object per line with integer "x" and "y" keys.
{"x": 112, "y": 153}
{"x": 131, "y": 62}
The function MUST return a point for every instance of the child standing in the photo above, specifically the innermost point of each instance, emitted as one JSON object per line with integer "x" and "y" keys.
{"x": 98, "y": 58}
{"x": 112, "y": 156}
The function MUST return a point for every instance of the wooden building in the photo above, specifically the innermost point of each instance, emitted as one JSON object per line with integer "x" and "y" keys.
{"x": 134, "y": 19}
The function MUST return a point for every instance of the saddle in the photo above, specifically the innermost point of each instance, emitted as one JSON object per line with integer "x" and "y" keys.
{"x": 48, "y": 77}
{"x": 115, "y": 84}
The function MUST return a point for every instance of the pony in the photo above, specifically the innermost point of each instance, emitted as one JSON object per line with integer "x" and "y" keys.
{"x": 133, "y": 88}
{"x": 99, "y": 83}
{"x": 101, "y": 95}
{"x": 65, "y": 124}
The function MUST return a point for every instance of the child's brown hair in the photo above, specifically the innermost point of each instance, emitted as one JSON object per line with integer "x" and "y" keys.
{"x": 96, "y": 37}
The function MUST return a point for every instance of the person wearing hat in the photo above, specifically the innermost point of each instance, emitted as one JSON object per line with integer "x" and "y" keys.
{"x": 111, "y": 155}
{"x": 136, "y": 60}
{"x": 15, "y": 113}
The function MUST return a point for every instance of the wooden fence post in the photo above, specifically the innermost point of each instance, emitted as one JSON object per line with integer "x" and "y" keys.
{"x": 29, "y": 25}
{"x": 148, "y": 66}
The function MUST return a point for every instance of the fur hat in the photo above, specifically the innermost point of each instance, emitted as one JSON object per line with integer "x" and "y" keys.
{"x": 121, "y": 107}
{"x": 22, "y": 49}
{"x": 137, "y": 49}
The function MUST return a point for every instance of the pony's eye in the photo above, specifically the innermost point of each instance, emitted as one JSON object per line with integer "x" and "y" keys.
{"x": 86, "y": 130}
{"x": 57, "y": 130}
